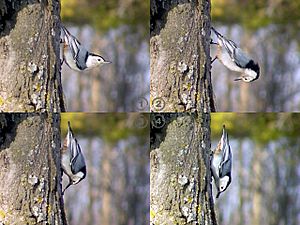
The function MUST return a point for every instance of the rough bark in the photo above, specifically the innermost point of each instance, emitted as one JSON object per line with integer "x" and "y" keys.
{"x": 29, "y": 56}
{"x": 30, "y": 172}
{"x": 180, "y": 181}
{"x": 180, "y": 55}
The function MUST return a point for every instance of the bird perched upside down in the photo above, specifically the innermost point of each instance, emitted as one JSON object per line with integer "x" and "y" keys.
{"x": 221, "y": 163}
{"x": 72, "y": 160}
{"x": 235, "y": 59}
{"x": 75, "y": 55}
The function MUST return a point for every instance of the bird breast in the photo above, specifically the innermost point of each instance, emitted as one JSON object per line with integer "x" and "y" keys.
{"x": 216, "y": 162}
{"x": 227, "y": 61}
{"x": 65, "y": 159}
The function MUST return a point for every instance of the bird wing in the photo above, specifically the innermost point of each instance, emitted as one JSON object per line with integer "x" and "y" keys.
{"x": 78, "y": 52}
{"x": 81, "y": 58}
{"x": 225, "y": 165}
{"x": 71, "y": 41}
{"x": 77, "y": 160}
{"x": 229, "y": 45}
{"x": 240, "y": 58}
{"x": 74, "y": 46}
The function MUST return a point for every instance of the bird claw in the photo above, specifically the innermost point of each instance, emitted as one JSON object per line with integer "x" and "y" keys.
{"x": 213, "y": 60}
{"x": 238, "y": 79}
{"x": 212, "y": 42}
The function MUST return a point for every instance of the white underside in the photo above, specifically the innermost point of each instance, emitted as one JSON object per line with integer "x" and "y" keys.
{"x": 70, "y": 61}
{"x": 228, "y": 62}
{"x": 65, "y": 159}
{"x": 216, "y": 162}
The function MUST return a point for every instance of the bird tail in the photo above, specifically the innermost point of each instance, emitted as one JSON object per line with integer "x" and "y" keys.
{"x": 224, "y": 129}
{"x": 70, "y": 134}
{"x": 65, "y": 35}
{"x": 216, "y": 32}
{"x": 64, "y": 30}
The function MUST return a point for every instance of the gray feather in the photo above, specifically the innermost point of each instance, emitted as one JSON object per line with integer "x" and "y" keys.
{"x": 77, "y": 160}
{"x": 240, "y": 58}
{"x": 81, "y": 58}
{"x": 225, "y": 166}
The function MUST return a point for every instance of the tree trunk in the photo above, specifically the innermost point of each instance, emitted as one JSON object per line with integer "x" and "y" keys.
{"x": 180, "y": 56}
{"x": 30, "y": 171}
{"x": 29, "y": 56}
{"x": 180, "y": 181}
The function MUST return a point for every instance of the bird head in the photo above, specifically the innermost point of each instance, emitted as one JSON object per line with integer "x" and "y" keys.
{"x": 79, "y": 176}
{"x": 223, "y": 184}
{"x": 94, "y": 60}
{"x": 251, "y": 72}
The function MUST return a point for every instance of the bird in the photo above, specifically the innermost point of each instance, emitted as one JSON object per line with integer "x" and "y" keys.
{"x": 72, "y": 159}
{"x": 75, "y": 55}
{"x": 235, "y": 59}
{"x": 221, "y": 163}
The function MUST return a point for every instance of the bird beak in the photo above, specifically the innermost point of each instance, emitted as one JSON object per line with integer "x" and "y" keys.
{"x": 107, "y": 62}
{"x": 238, "y": 79}
{"x": 218, "y": 194}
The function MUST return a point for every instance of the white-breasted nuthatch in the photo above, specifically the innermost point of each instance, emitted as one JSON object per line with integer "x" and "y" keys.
{"x": 75, "y": 55}
{"x": 221, "y": 163}
{"x": 235, "y": 59}
{"x": 72, "y": 160}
